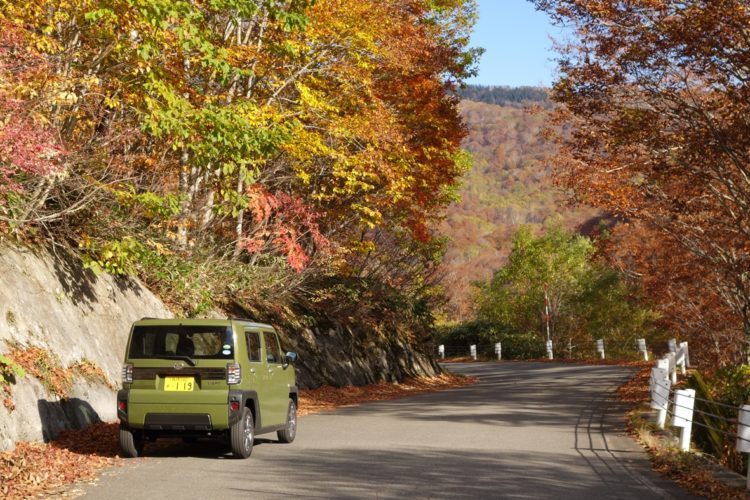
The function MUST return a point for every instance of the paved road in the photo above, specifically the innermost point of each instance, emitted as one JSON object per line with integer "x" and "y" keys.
{"x": 527, "y": 430}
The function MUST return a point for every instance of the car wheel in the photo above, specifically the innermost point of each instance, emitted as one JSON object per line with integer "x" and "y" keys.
{"x": 288, "y": 433}
{"x": 131, "y": 442}
{"x": 242, "y": 435}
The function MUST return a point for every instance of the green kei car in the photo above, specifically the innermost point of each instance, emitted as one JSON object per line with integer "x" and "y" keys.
{"x": 224, "y": 378}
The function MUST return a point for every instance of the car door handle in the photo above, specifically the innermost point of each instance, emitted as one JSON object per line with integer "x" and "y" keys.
{"x": 270, "y": 371}
{"x": 252, "y": 370}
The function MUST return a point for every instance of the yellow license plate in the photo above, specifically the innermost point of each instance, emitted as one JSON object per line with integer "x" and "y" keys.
{"x": 182, "y": 384}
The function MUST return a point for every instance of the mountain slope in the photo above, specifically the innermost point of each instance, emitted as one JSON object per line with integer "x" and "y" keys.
{"x": 509, "y": 185}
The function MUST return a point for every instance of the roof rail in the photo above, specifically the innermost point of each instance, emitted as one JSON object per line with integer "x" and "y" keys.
{"x": 148, "y": 317}
{"x": 235, "y": 318}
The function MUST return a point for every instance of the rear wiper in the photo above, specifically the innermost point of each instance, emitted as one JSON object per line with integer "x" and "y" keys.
{"x": 186, "y": 359}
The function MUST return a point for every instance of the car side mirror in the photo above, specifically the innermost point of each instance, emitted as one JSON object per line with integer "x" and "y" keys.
{"x": 291, "y": 357}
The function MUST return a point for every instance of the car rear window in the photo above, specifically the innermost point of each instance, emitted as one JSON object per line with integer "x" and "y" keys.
{"x": 198, "y": 342}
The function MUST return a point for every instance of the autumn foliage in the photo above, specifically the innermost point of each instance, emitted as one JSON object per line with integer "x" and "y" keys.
{"x": 656, "y": 97}
{"x": 228, "y": 151}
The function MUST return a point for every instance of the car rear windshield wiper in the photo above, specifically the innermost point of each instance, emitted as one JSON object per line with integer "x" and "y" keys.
{"x": 187, "y": 359}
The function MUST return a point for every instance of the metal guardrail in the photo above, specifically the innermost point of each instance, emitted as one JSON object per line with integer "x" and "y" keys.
{"x": 680, "y": 404}
{"x": 535, "y": 349}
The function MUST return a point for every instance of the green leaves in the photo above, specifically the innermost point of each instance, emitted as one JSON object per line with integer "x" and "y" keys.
{"x": 9, "y": 370}
{"x": 587, "y": 300}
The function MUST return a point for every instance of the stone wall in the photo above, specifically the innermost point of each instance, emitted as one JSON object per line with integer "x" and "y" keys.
{"x": 48, "y": 300}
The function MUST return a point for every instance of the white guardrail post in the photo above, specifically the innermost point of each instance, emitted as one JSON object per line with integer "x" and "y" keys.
{"x": 473, "y": 351}
{"x": 685, "y": 357}
{"x": 642, "y": 348}
{"x": 549, "y": 349}
{"x": 743, "y": 435}
{"x": 441, "y": 351}
{"x": 684, "y": 402}
{"x": 672, "y": 345}
{"x": 499, "y": 350}
{"x": 600, "y": 348}
{"x": 672, "y": 367}
{"x": 659, "y": 384}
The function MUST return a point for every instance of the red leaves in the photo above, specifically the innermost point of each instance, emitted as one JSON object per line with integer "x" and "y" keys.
{"x": 284, "y": 224}
{"x": 27, "y": 144}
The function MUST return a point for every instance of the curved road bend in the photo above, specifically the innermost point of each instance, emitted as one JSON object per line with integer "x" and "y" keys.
{"x": 526, "y": 430}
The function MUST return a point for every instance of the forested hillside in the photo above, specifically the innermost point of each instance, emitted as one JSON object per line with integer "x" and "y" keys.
{"x": 509, "y": 185}
{"x": 506, "y": 96}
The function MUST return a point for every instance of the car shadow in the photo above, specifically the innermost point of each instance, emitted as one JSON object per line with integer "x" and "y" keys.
{"x": 207, "y": 448}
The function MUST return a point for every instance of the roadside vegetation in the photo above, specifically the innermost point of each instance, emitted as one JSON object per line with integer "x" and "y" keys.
{"x": 285, "y": 161}
{"x": 555, "y": 276}
{"x": 695, "y": 472}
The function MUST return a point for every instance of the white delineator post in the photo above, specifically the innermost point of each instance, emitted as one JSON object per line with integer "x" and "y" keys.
{"x": 547, "y": 318}
{"x": 441, "y": 351}
{"x": 672, "y": 366}
{"x": 642, "y": 348}
{"x": 660, "y": 394}
{"x": 473, "y": 351}
{"x": 672, "y": 345}
{"x": 684, "y": 402}
{"x": 743, "y": 435}
{"x": 600, "y": 348}
{"x": 499, "y": 350}
{"x": 685, "y": 357}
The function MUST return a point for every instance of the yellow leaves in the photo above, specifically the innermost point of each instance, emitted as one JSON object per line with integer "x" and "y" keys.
{"x": 48, "y": 45}
{"x": 65, "y": 98}
{"x": 111, "y": 103}
{"x": 309, "y": 98}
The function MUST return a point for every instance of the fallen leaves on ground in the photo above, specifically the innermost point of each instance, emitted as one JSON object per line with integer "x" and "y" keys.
{"x": 686, "y": 469}
{"x": 328, "y": 398}
{"x": 35, "y": 469}
{"x": 38, "y": 469}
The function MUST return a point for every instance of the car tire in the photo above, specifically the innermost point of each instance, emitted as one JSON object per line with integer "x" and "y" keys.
{"x": 131, "y": 442}
{"x": 289, "y": 432}
{"x": 242, "y": 434}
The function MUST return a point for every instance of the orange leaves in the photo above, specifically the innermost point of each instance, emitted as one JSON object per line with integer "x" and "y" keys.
{"x": 653, "y": 96}
{"x": 329, "y": 398}
{"x": 45, "y": 367}
{"x": 79, "y": 455}
{"x": 42, "y": 469}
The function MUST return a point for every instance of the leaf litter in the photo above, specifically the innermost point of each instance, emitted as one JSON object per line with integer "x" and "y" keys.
{"x": 78, "y": 456}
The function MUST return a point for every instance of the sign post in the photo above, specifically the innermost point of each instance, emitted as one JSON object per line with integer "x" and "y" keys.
{"x": 642, "y": 348}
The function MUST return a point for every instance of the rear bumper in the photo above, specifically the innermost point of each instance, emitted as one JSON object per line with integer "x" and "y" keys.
{"x": 189, "y": 417}
{"x": 195, "y": 422}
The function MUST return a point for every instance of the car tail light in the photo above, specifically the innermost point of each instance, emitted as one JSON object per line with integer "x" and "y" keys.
{"x": 127, "y": 373}
{"x": 122, "y": 406}
{"x": 234, "y": 373}
{"x": 234, "y": 406}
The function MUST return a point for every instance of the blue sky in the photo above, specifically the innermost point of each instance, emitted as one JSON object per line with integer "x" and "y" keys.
{"x": 516, "y": 39}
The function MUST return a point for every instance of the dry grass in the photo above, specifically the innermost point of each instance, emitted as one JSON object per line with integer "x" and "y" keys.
{"x": 687, "y": 469}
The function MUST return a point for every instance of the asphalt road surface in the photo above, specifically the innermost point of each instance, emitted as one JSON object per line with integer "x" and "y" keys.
{"x": 526, "y": 430}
